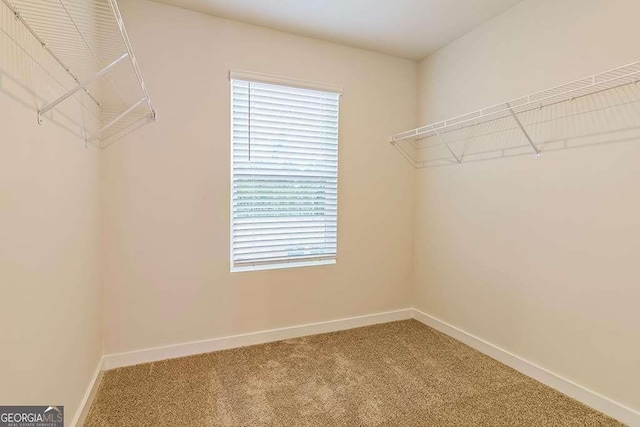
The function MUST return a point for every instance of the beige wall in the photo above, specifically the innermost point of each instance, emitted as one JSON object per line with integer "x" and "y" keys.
{"x": 166, "y": 195}
{"x": 537, "y": 257}
{"x": 50, "y": 314}
{"x": 533, "y": 256}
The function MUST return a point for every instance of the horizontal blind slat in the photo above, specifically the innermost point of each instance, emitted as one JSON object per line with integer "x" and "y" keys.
{"x": 239, "y": 200}
{"x": 267, "y": 119}
{"x": 242, "y": 154}
{"x": 279, "y": 174}
{"x": 278, "y": 224}
{"x": 285, "y": 140}
{"x": 242, "y": 114}
{"x": 283, "y": 255}
{"x": 290, "y": 90}
{"x": 302, "y": 195}
{"x": 283, "y": 109}
{"x": 278, "y": 214}
{"x": 242, "y": 249}
{"x": 259, "y": 131}
{"x": 259, "y": 238}
{"x": 275, "y": 233}
{"x": 284, "y": 90}
{"x": 284, "y": 260}
{"x": 242, "y": 98}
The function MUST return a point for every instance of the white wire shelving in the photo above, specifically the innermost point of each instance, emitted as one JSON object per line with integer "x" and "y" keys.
{"x": 603, "y": 102}
{"x": 87, "y": 39}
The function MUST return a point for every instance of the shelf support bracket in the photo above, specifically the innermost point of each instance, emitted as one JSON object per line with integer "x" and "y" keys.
{"x": 524, "y": 131}
{"x": 446, "y": 144}
{"x": 403, "y": 152}
{"x": 116, "y": 120}
{"x": 82, "y": 85}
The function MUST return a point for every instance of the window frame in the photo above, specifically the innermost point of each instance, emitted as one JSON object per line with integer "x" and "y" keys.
{"x": 287, "y": 82}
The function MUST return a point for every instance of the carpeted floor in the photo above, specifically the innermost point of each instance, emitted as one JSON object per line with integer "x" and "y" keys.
{"x": 395, "y": 374}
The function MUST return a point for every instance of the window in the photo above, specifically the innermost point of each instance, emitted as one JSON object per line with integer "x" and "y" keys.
{"x": 284, "y": 175}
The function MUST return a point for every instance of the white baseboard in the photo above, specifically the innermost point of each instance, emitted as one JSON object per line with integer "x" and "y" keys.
{"x": 112, "y": 361}
{"x": 582, "y": 394}
{"x": 87, "y": 399}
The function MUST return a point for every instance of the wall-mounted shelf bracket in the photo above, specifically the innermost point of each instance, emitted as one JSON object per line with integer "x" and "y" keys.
{"x": 116, "y": 120}
{"x": 82, "y": 85}
{"x": 446, "y": 144}
{"x": 403, "y": 152}
{"x": 524, "y": 131}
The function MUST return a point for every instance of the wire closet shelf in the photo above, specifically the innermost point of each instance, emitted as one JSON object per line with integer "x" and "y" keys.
{"x": 88, "y": 40}
{"x": 528, "y": 123}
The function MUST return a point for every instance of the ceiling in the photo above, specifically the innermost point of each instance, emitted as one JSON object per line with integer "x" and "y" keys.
{"x": 406, "y": 28}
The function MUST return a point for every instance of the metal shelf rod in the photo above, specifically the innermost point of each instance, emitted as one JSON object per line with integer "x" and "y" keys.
{"x": 116, "y": 119}
{"x": 134, "y": 62}
{"x": 535, "y": 100}
{"x": 82, "y": 85}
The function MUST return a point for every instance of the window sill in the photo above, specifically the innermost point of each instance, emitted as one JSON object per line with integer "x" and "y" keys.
{"x": 282, "y": 265}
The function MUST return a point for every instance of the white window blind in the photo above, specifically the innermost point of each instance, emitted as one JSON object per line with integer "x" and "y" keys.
{"x": 284, "y": 174}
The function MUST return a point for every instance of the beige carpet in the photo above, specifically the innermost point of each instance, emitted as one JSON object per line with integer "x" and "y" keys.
{"x": 396, "y": 374}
